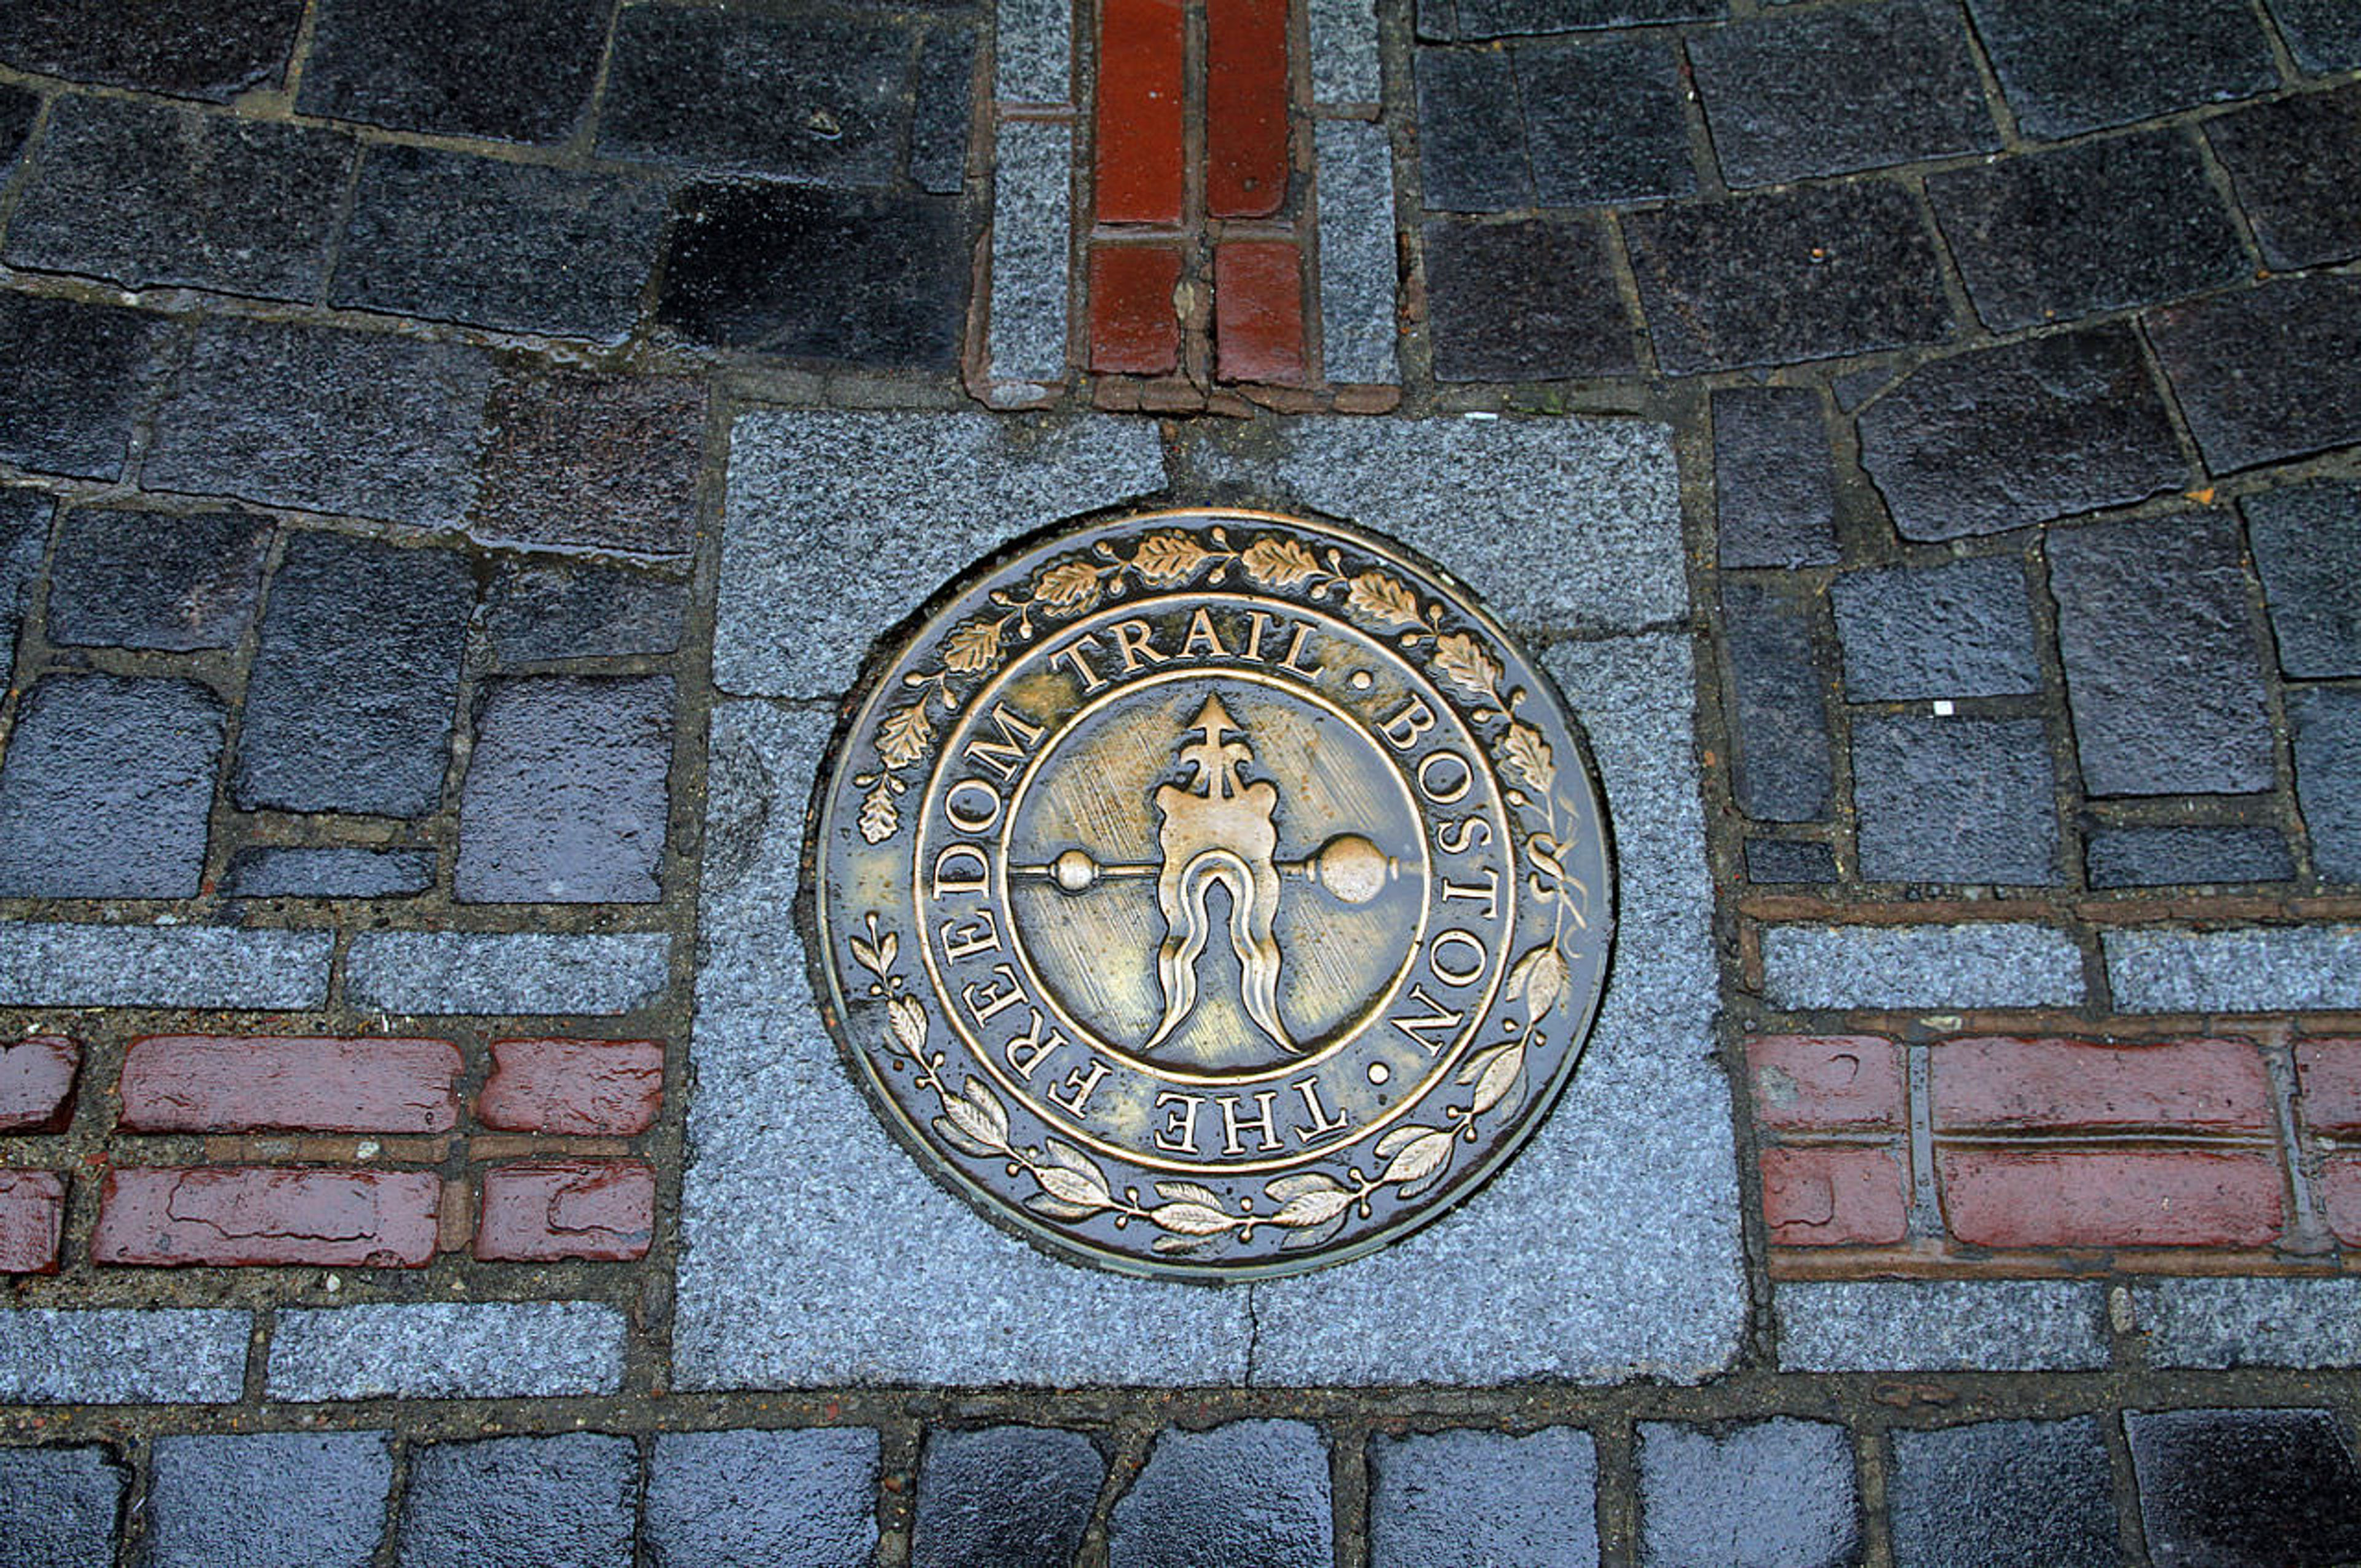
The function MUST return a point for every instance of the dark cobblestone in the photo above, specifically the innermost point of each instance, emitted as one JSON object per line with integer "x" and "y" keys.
{"x": 1508, "y": 18}
{"x": 58, "y": 1507}
{"x": 1603, "y": 122}
{"x": 2246, "y": 1488}
{"x": 1955, "y": 800}
{"x": 2295, "y": 164}
{"x": 808, "y": 96}
{"x": 106, "y": 788}
{"x": 1776, "y": 279}
{"x": 143, "y": 579}
{"x": 1005, "y": 1498}
{"x": 275, "y": 872}
{"x": 75, "y": 374}
{"x": 2000, "y": 1493}
{"x": 2076, "y": 65}
{"x": 192, "y": 48}
{"x": 591, "y": 462}
{"x": 566, "y": 798}
{"x": 2160, "y": 668}
{"x": 1829, "y": 92}
{"x": 1961, "y": 629}
{"x": 942, "y": 108}
{"x": 1484, "y": 1497}
{"x": 514, "y": 69}
{"x": 758, "y": 1499}
{"x": 1471, "y": 156}
{"x": 1182, "y": 1512}
{"x": 2178, "y": 857}
{"x": 2323, "y": 35}
{"x": 1773, "y": 494}
{"x": 1529, "y": 300}
{"x": 1782, "y": 769}
{"x": 2128, "y": 221}
{"x": 1995, "y": 439}
{"x": 17, "y": 107}
{"x": 818, "y": 274}
{"x": 1789, "y": 859}
{"x": 483, "y": 240}
{"x": 2326, "y": 722}
{"x": 328, "y": 421}
{"x": 2306, "y": 539}
{"x": 148, "y": 194}
{"x": 1777, "y": 1493}
{"x": 522, "y": 1502}
{"x": 573, "y": 610}
{"x": 263, "y": 1499}
{"x": 2270, "y": 373}
{"x": 350, "y": 704}
{"x": 24, "y": 542}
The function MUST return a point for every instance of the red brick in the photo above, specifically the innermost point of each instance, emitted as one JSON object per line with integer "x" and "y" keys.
{"x": 601, "y": 1209}
{"x": 1134, "y": 329}
{"x": 2340, "y": 1191}
{"x": 1259, "y": 311}
{"x": 2329, "y": 1072}
{"x": 255, "y": 1214}
{"x": 1834, "y": 1197}
{"x": 1245, "y": 107}
{"x": 32, "y": 1212}
{"x": 1138, "y": 171}
{"x": 1816, "y": 1082}
{"x": 206, "y": 1083}
{"x": 37, "y": 1079}
{"x": 2183, "y": 1085}
{"x": 2008, "y": 1198}
{"x": 585, "y": 1088}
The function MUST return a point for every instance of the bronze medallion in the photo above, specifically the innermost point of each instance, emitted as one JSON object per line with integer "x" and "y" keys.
{"x": 1212, "y": 893}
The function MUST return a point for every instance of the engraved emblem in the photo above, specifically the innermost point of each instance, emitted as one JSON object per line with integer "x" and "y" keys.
{"x": 1210, "y": 893}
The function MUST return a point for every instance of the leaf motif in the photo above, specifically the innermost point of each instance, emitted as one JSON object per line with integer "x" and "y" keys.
{"x": 902, "y": 738}
{"x": 1170, "y": 1244}
{"x": 1499, "y": 1076}
{"x": 1073, "y": 1178}
{"x": 879, "y": 815}
{"x": 1278, "y": 563}
{"x": 1538, "y": 980}
{"x": 974, "y": 648}
{"x": 1318, "y": 1235}
{"x": 1398, "y": 1137}
{"x": 950, "y": 1133}
{"x": 1527, "y": 758}
{"x": 1165, "y": 559}
{"x": 1462, "y": 661}
{"x": 1068, "y": 587}
{"x": 1287, "y": 1188}
{"x": 1383, "y": 600}
{"x": 995, "y": 1113}
{"x": 975, "y": 1113}
{"x": 867, "y": 957}
{"x": 908, "y": 1019}
{"x": 1307, "y": 1209}
{"x": 1189, "y": 1192}
{"x": 1190, "y": 1219}
{"x": 1418, "y": 1158}
{"x": 1051, "y": 1208}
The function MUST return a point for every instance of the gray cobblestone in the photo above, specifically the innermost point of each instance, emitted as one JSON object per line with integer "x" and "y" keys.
{"x": 267, "y": 1499}
{"x": 1343, "y": 39}
{"x": 2323, "y": 35}
{"x": 1955, "y": 799}
{"x": 2326, "y": 722}
{"x": 273, "y": 872}
{"x": 1603, "y": 122}
{"x": 440, "y": 1350}
{"x": 1534, "y": 300}
{"x": 1994, "y": 1493}
{"x": 2305, "y": 538}
{"x": 1960, "y": 628}
{"x": 2253, "y": 969}
{"x": 111, "y": 1357}
{"x": 567, "y": 795}
{"x": 1940, "y": 1326}
{"x": 143, "y": 579}
{"x": 1008, "y": 1496}
{"x": 517, "y": 70}
{"x": 1782, "y": 765}
{"x": 541, "y": 610}
{"x": 2168, "y": 857}
{"x": 2291, "y": 161}
{"x": 1484, "y": 1497}
{"x": 569, "y": 1501}
{"x": 198, "y": 49}
{"x": 2268, "y": 373}
{"x": 1031, "y": 231}
{"x": 1033, "y": 49}
{"x": 1777, "y": 1493}
{"x": 162, "y": 966}
{"x": 759, "y": 1499}
{"x": 77, "y": 375}
{"x": 107, "y": 789}
{"x": 1182, "y": 1512}
{"x": 2229, "y": 1321}
{"x": 1358, "y": 319}
{"x": 944, "y": 110}
{"x": 1988, "y": 964}
{"x": 2077, "y": 65}
{"x": 58, "y": 1507}
{"x": 506, "y": 972}
{"x": 1774, "y": 492}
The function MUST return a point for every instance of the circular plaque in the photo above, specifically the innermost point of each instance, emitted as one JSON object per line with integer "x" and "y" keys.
{"x": 1210, "y": 893}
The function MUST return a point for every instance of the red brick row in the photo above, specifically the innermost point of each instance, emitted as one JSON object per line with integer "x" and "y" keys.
{"x": 1140, "y": 173}
{"x": 1245, "y": 107}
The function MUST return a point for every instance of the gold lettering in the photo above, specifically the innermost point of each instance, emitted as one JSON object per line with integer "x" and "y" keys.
{"x": 1179, "y": 1133}
{"x": 1427, "y": 787}
{"x": 996, "y": 998}
{"x": 1458, "y": 843}
{"x": 971, "y": 855}
{"x": 971, "y": 820}
{"x": 1003, "y": 756}
{"x": 1077, "y": 1086}
{"x": 1071, "y": 655}
{"x": 1135, "y": 640}
{"x": 1490, "y": 892}
{"x": 1255, "y": 622}
{"x": 1293, "y": 659}
{"x": 1455, "y": 940}
{"x": 1200, "y": 630}
{"x": 1323, "y": 1123}
{"x": 961, "y": 942}
{"x": 1432, "y": 1029}
{"x": 1410, "y": 721}
{"x": 1025, "y": 1052}
{"x": 1260, "y": 1122}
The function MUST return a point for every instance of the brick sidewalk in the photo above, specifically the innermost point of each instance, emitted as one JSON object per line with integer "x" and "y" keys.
{"x": 456, "y": 458}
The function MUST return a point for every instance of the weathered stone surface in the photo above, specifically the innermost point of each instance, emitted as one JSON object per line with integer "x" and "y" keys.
{"x": 2224, "y": 1323}
{"x": 111, "y": 1357}
{"x": 1032, "y": 48}
{"x": 580, "y": 1088}
{"x": 2291, "y": 162}
{"x": 500, "y": 244}
{"x": 17, "y": 107}
{"x": 2326, "y": 722}
{"x": 2323, "y": 35}
{"x": 1603, "y": 122}
{"x": 1182, "y": 1512}
{"x": 36, "y": 1079}
{"x": 2172, "y": 857}
{"x": 1032, "y": 230}
{"x": 1778, "y": 1492}
{"x": 569, "y": 1501}
{"x": 2245, "y": 1487}
{"x": 350, "y": 704}
{"x": 1920, "y": 968}
{"x": 1955, "y": 800}
{"x": 55, "y": 965}
{"x": 323, "y": 419}
{"x": 443, "y": 1349}
{"x": 1500, "y": 19}
{"x": 1782, "y": 769}
{"x": 58, "y": 1507}
{"x": 144, "y": 194}
{"x": 1940, "y": 1326}
{"x": 1828, "y": 92}
{"x": 172, "y": 1217}
{"x": 2305, "y": 538}
{"x": 508, "y": 973}
{"x": 24, "y": 545}
{"x": 1960, "y": 629}
{"x": 2256, "y": 968}
{"x": 1359, "y": 324}
{"x": 2097, "y": 226}
{"x": 204, "y": 1083}
{"x": 940, "y": 114}
{"x": 1530, "y": 300}
{"x": 1787, "y": 859}
{"x": 2267, "y": 373}
{"x": 762, "y": 268}
{"x": 108, "y": 787}
{"x": 273, "y": 872}
{"x": 516, "y": 70}
{"x": 541, "y": 610}
{"x": 78, "y": 374}
{"x": 546, "y": 1210}
{"x": 567, "y": 796}
{"x": 2001, "y": 1492}
{"x": 2158, "y": 645}
{"x": 1775, "y": 279}
{"x": 206, "y": 49}
{"x": 262, "y": 1499}
{"x": 2076, "y": 65}
{"x": 755, "y": 1499}
{"x": 595, "y": 462}
{"x": 1009, "y": 1496}
{"x": 1482, "y": 1496}
{"x": 1774, "y": 493}
{"x": 2002, "y": 437}
{"x": 146, "y": 579}
{"x": 1344, "y": 38}
{"x": 1471, "y": 155}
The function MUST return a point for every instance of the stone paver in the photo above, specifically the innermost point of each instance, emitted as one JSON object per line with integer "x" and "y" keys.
{"x": 155, "y": 580}
{"x": 1958, "y": 800}
{"x": 1961, "y": 629}
{"x": 80, "y": 372}
{"x": 2081, "y": 64}
{"x": 107, "y": 789}
{"x": 2000, "y": 1492}
{"x": 2299, "y": 536}
{"x": 567, "y": 800}
{"x": 1780, "y": 1492}
{"x": 58, "y": 1507}
{"x": 522, "y": 1502}
{"x": 261, "y": 1499}
{"x": 210, "y": 49}
{"x": 1468, "y": 1496}
{"x": 740, "y": 1499}
{"x": 515, "y": 70}
{"x": 1775, "y": 502}
{"x": 1940, "y": 1326}
{"x": 1005, "y": 1498}
{"x": 1782, "y": 769}
{"x": 117, "y": 1356}
{"x": 59, "y": 965}
{"x": 1182, "y": 1512}
{"x": 2246, "y": 1487}
{"x": 444, "y": 1349}
{"x": 1988, "y": 964}
{"x": 507, "y": 973}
